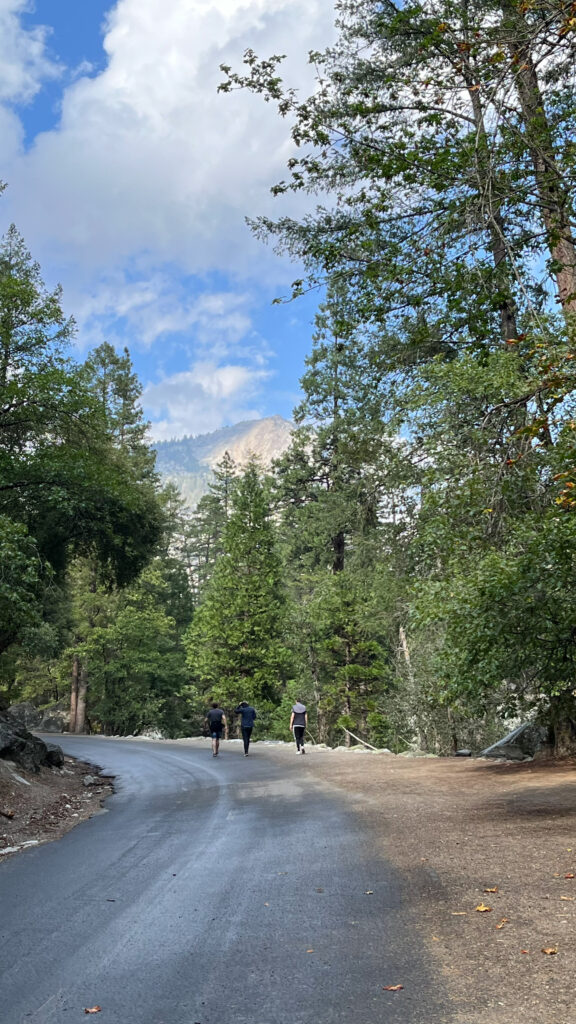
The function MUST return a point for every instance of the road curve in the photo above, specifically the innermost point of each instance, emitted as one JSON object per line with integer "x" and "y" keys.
{"x": 213, "y": 891}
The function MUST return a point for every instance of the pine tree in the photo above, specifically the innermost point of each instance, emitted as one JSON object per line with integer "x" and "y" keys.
{"x": 235, "y": 643}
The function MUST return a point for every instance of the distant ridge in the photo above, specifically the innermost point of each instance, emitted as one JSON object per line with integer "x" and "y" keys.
{"x": 189, "y": 461}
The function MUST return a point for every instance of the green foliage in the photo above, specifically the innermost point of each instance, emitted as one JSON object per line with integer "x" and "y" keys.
{"x": 136, "y": 663}
{"x": 21, "y": 583}
{"x": 235, "y": 644}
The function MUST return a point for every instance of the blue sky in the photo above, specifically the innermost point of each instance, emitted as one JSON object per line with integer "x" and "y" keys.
{"x": 130, "y": 178}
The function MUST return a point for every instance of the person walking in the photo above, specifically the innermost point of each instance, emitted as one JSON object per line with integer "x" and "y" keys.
{"x": 216, "y": 722}
{"x": 298, "y": 723}
{"x": 249, "y": 716}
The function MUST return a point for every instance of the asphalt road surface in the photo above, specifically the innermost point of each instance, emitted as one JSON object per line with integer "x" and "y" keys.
{"x": 213, "y": 891}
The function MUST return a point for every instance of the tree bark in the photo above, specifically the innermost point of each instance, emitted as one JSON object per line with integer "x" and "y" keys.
{"x": 81, "y": 704}
{"x": 554, "y": 200}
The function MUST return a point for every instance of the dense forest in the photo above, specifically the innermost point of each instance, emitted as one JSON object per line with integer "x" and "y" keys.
{"x": 408, "y": 567}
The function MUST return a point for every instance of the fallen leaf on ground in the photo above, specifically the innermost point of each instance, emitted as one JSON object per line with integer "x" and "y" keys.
{"x": 459, "y": 913}
{"x": 482, "y": 908}
{"x": 435, "y": 938}
{"x": 524, "y": 951}
{"x": 93, "y": 1009}
{"x": 503, "y": 922}
{"x": 266, "y": 904}
{"x": 550, "y": 950}
{"x": 568, "y": 899}
{"x": 495, "y": 889}
{"x": 369, "y": 892}
{"x": 309, "y": 950}
{"x": 392, "y": 988}
{"x": 570, "y": 875}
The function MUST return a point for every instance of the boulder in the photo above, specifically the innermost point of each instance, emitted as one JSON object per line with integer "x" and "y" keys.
{"x": 521, "y": 744}
{"x": 54, "y": 755}
{"x": 24, "y": 749}
{"x": 25, "y": 715}
{"x": 54, "y": 718}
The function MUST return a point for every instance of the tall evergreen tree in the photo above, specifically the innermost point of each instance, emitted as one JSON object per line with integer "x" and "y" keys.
{"x": 235, "y": 644}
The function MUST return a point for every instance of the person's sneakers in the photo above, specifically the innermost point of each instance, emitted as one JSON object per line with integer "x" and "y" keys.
{"x": 302, "y": 751}
{"x": 246, "y": 753}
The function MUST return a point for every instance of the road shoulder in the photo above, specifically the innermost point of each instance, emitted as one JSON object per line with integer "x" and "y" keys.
{"x": 469, "y": 834}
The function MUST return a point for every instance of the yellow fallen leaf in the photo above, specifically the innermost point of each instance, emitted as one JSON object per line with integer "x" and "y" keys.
{"x": 550, "y": 950}
{"x": 459, "y": 913}
{"x": 483, "y": 909}
{"x": 392, "y": 988}
{"x": 568, "y": 899}
{"x": 502, "y": 922}
{"x": 495, "y": 889}
{"x": 435, "y": 938}
{"x": 309, "y": 950}
{"x": 94, "y": 1009}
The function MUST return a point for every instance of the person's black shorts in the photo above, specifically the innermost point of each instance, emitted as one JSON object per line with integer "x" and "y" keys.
{"x": 216, "y": 733}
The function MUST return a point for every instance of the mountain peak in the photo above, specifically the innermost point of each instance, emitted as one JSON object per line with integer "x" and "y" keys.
{"x": 189, "y": 462}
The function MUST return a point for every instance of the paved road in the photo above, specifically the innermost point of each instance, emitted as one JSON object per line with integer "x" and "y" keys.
{"x": 198, "y": 898}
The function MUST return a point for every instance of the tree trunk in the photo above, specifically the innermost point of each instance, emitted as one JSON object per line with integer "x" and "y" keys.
{"x": 81, "y": 703}
{"x": 554, "y": 200}
{"x": 563, "y": 724}
{"x": 491, "y": 209}
{"x": 74, "y": 694}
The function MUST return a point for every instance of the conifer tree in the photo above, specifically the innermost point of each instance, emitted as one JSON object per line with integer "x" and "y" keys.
{"x": 235, "y": 644}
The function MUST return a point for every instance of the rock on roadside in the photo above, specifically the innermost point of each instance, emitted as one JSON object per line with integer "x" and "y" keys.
{"x": 522, "y": 743}
{"x": 54, "y": 718}
{"x": 27, "y": 751}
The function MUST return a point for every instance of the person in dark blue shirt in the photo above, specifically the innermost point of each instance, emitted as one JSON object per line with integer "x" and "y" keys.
{"x": 216, "y": 722}
{"x": 249, "y": 716}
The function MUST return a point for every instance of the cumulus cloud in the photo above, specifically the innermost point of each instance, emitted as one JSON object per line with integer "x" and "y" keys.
{"x": 24, "y": 63}
{"x": 149, "y": 162}
{"x": 203, "y": 398}
{"x": 136, "y": 200}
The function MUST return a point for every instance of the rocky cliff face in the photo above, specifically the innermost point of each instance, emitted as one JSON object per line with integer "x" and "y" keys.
{"x": 189, "y": 461}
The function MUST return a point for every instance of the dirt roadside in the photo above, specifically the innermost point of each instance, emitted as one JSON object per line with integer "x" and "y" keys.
{"x": 36, "y": 808}
{"x": 456, "y": 828}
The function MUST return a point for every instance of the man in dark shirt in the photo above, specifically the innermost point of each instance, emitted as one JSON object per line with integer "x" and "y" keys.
{"x": 249, "y": 716}
{"x": 216, "y": 722}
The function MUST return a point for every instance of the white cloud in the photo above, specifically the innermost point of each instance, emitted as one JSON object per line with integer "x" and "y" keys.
{"x": 24, "y": 63}
{"x": 202, "y": 399}
{"x": 136, "y": 200}
{"x": 159, "y": 305}
{"x": 149, "y": 162}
